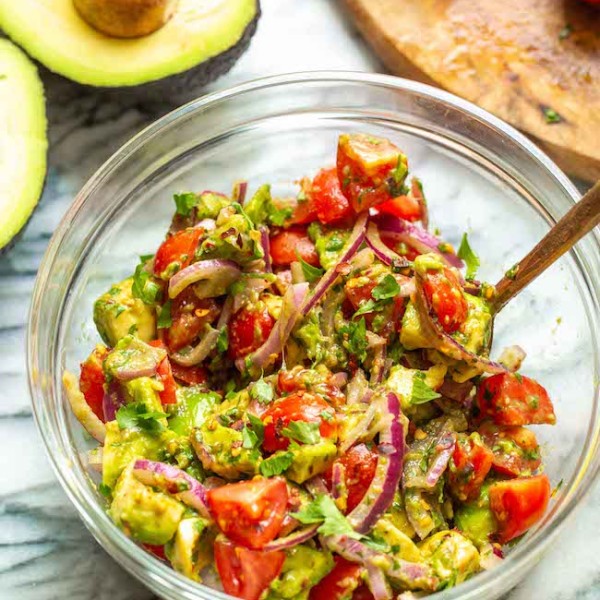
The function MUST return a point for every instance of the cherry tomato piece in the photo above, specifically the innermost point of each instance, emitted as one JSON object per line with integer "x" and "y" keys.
{"x": 518, "y": 504}
{"x": 249, "y": 513}
{"x": 444, "y": 293}
{"x": 300, "y": 406}
{"x": 290, "y": 244}
{"x": 327, "y": 198}
{"x": 405, "y": 207}
{"x": 91, "y": 380}
{"x": 299, "y": 378}
{"x": 177, "y": 248}
{"x": 248, "y": 329}
{"x": 190, "y": 375}
{"x": 469, "y": 466}
{"x": 246, "y": 573}
{"x": 339, "y": 583}
{"x": 513, "y": 399}
{"x": 168, "y": 395}
{"x": 158, "y": 551}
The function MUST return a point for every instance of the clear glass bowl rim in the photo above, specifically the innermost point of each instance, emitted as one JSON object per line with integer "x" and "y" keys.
{"x": 159, "y": 577}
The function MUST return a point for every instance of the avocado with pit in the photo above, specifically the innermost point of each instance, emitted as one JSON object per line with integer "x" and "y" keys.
{"x": 190, "y": 45}
{"x": 23, "y": 142}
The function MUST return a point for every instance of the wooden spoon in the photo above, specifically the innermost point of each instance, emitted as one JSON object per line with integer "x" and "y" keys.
{"x": 579, "y": 221}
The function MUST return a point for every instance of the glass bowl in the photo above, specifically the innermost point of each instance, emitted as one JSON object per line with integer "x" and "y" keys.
{"x": 480, "y": 175}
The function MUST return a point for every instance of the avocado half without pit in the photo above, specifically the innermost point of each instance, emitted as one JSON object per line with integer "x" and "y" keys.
{"x": 23, "y": 141}
{"x": 171, "y": 46}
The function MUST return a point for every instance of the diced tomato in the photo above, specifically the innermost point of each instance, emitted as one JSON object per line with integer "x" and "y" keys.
{"x": 359, "y": 468}
{"x": 404, "y": 250}
{"x": 249, "y": 513}
{"x": 518, "y": 504}
{"x": 445, "y": 294}
{"x": 303, "y": 213}
{"x": 288, "y": 245}
{"x": 363, "y": 593}
{"x": 246, "y": 573}
{"x": 299, "y": 378}
{"x": 405, "y": 207}
{"x": 339, "y": 583}
{"x": 248, "y": 329}
{"x": 190, "y": 375}
{"x": 91, "y": 380}
{"x": 158, "y": 551}
{"x": 177, "y": 248}
{"x": 327, "y": 198}
{"x": 300, "y": 406}
{"x": 469, "y": 466}
{"x": 168, "y": 395}
{"x": 371, "y": 170}
{"x": 516, "y": 450}
{"x": 513, "y": 399}
{"x": 189, "y": 316}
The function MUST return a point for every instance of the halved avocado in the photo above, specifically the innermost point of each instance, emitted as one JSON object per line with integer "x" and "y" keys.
{"x": 205, "y": 37}
{"x": 23, "y": 142}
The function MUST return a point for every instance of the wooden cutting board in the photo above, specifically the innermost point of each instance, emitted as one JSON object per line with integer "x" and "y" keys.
{"x": 534, "y": 63}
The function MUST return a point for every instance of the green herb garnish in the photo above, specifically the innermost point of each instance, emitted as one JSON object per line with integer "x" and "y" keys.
{"x": 184, "y": 203}
{"x": 471, "y": 259}
{"x": 164, "y": 318}
{"x": 136, "y": 416}
{"x": 421, "y": 392}
{"x": 303, "y": 432}
{"x": 276, "y": 464}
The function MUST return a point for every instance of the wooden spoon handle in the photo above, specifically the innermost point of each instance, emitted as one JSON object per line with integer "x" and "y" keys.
{"x": 579, "y": 221}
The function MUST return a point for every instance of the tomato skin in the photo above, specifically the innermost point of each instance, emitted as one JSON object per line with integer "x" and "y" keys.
{"x": 339, "y": 583}
{"x": 444, "y": 294}
{"x": 469, "y": 466}
{"x": 169, "y": 393}
{"x": 303, "y": 379}
{"x": 405, "y": 207}
{"x": 516, "y": 451}
{"x": 327, "y": 198}
{"x": 409, "y": 253}
{"x": 246, "y": 573}
{"x": 189, "y": 315}
{"x": 363, "y": 593}
{"x": 250, "y": 513}
{"x": 300, "y": 406}
{"x": 518, "y": 504}
{"x": 91, "y": 380}
{"x": 190, "y": 375}
{"x": 248, "y": 329}
{"x": 287, "y": 245}
{"x": 158, "y": 551}
{"x": 179, "y": 247}
{"x": 510, "y": 399}
{"x": 359, "y": 469}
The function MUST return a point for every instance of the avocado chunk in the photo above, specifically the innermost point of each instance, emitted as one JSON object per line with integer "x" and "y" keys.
{"x": 303, "y": 568}
{"x": 475, "y": 519}
{"x": 310, "y": 460}
{"x": 194, "y": 405}
{"x": 117, "y": 314}
{"x": 328, "y": 242}
{"x": 23, "y": 142}
{"x": 144, "y": 390}
{"x": 207, "y": 37}
{"x": 145, "y": 515}
{"x": 191, "y": 548}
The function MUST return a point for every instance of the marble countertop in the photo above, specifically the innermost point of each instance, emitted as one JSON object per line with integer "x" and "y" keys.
{"x": 45, "y": 551}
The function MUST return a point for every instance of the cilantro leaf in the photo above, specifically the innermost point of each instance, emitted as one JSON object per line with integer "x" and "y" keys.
{"x": 223, "y": 340}
{"x": 184, "y": 203}
{"x": 421, "y": 392}
{"x": 302, "y": 431}
{"x": 136, "y": 416}
{"x": 144, "y": 287}
{"x": 324, "y": 510}
{"x": 471, "y": 259}
{"x": 310, "y": 273}
{"x": 278, "y": 216}
{"x": 357, "y": 342}
{"x": 164, "y": 318}
{"x": 387, "y": 288}
{"x": 262, "y": 391}
{"x": 253, "y": 434}
{"x": 551, "y": 115}
{"x": 276, "y": 464}
{"x": 368, "y": 307}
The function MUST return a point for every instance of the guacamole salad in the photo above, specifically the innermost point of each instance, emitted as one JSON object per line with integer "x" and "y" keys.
{"x": 294, "y": 397}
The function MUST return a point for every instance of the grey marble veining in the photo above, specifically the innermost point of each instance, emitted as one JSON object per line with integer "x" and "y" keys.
{"x": 45, "y": 551}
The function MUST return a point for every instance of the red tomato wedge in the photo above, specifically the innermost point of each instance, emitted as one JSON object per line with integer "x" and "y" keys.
{"x": 91, "y": 380}
{"x": 250, "y": 513}
{"x": 301, "y": 406}
{"x": 327, "y": 199}
{"x": 246, "y": 573}
{"x": 359, "y": 467}
{"x": 469, "y": 466}
{"x": 248, "y": 329}
{"x": 445, "y": 294}
{"x": 513, "y": 399}
{"x": 288, "y": 245}
{"x": 189, "y": 375}
{"x": 168, "y": 395}
{"x": 180, "y": 248}
{"x": 158, "y": 551}
{"x": 340, "y": 583}
{"x": 518, "y": 504}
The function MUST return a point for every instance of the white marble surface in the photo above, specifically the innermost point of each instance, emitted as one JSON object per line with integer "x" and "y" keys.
{"x": 45, "y": 551}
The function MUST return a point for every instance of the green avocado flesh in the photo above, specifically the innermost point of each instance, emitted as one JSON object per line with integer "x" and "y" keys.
{"x": 63, "y": 42}
{"x": 23, "y": 141}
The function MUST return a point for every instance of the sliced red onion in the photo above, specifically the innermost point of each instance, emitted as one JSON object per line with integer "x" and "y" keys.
{"x": 361, "y": 428}
{"x": 254, "y": 286}
{"x": 352, "y": 245}
{"x": 378, "y": 365}
{"x": 358, "y": 388}
{"x": 490, "y": 557}
{"x": 297, "y": 272}
{"x": 512, "y": 358}
{"x": 316, "y": 486}
{"x": 414, "y": 575}
{"x": 386, "y": 255}
{"x": 240, "y": 189}
{"x": 415, "y": 236}
{"x": 111, "y": 401}
{"x": 339, "y": 379}
{"x": 214, "y": 275}
{"x": 298, "y": 537}
{"x": 174, "y": 481}
{"x": 81, "y": 409}
{"x": 206, "y": 224}
{"x": 266, "y": 246}
{"x": 388, "y": 472}
{"x": 459, "y": 392}
{"x": 273, "y": 346}
{"x": 338, "y": 480}
{"x": 362, "y": 260}
{"x": 377, "y": 583}
{"x": 194, "y": 355}
{"x": 141, "y": 360}
{"x": 445, "y": 343}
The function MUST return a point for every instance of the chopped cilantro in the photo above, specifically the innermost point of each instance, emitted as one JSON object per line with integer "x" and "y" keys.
{"x": 184, "y": 203}
{"x": 512, "y": 272}
{"x": 105, "y": 490}
{"x": 387, "y": 288}
{"x": 421, "y": 392}
{"x": 302, "y": 431}
{"x": 136, "y": 416}
{"x": 164, "y": 318}
{"x": 310, "y": 273}
{"x": 278, "y": 216}
{"x": 276, "y": 464}
{"x": 262, "y": 391}
{"x": 229, "y": 416}
{"x": 132, "y": 330}
{"x": 356, "y": 342}
{"x": 471, "y": 259}
{"x": 144, "y": 287}
{"x": 401, "y": 170}
{"x": 519, "y": 377}
{"x": 223, "y": 340}
{"x": 551, "y": 115}
{"x": 253, "y": 434}
{"x": 334, "y": 243}
{"x": 324, "y": 510}
{"x": 326, "y": 416}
